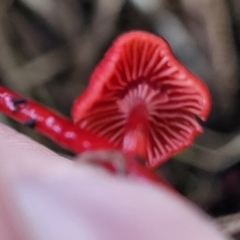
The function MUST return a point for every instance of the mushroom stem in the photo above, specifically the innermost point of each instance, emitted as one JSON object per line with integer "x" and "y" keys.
{"x": 49, "y": 123}
{"x": 135, "y": 140}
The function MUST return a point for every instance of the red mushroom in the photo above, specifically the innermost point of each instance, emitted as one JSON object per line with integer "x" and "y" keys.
{"x": 142, "y": 99}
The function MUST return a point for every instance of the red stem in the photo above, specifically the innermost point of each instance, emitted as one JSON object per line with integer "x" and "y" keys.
{"x": 137, "y": 131}
{"x": 49, "y": 123}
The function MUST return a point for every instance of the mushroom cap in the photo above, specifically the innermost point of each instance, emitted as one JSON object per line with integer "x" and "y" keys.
{"x": 139, "y": 68}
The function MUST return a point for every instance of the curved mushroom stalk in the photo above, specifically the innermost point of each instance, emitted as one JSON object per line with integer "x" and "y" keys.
{"x": 142, "y": 99}
{"x": 65, "y": 133}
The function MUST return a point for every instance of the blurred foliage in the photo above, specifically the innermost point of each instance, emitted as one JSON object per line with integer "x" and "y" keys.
{"x": 48, "y": 49}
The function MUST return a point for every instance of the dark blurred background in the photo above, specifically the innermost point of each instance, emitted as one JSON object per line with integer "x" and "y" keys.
{"x": 48, "y": 49}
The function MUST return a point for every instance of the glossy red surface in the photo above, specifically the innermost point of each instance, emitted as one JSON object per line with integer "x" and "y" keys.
{"x": 56, "y": 127}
